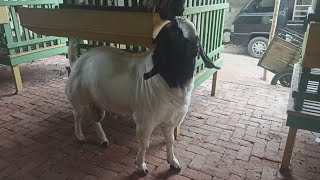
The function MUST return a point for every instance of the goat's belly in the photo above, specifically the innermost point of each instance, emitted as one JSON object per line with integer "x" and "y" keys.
{"x": 115, "y": 95}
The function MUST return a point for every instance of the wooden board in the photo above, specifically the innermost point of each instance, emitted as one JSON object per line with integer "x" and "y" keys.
{"x": 4, "y": 15}
{"x": 311, "y": 44}
{"x": 132, "y": 28}
{"x": 280, "y": 55}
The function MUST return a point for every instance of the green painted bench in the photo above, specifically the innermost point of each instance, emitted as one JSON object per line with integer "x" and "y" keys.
{"x": 19, "y": 45}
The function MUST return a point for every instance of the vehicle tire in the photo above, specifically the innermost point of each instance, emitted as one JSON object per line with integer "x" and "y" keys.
{"x": 257, "y": 47}
{"x": 283, "y": 77}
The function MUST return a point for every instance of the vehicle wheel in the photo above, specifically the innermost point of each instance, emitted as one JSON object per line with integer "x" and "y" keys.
{"x": 226, "y": 36}
{"x": 257, "y": 47}
{"x": 283, "y": 77}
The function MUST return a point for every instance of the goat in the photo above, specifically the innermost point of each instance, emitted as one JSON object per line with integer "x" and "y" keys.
{"x": 106, "y": 78}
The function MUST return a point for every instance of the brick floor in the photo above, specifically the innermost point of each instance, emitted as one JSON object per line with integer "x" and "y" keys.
{"x": 238, "y": 134}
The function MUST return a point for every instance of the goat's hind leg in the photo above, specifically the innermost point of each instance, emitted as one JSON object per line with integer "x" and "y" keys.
{"x": 98, "y": 115}
{"x": 78, "y": 115}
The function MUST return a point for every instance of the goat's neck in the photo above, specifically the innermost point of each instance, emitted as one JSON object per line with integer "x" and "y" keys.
{"x": 155, "y": 92}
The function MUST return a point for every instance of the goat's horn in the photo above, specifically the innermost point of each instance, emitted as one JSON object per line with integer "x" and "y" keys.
{"x": 153, "y": 72}
{"x": 207, "y": 62}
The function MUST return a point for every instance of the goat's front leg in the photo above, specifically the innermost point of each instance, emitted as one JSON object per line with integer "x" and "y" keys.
{"x": 78, "y": 113}
{"x": 169, "y": 137}
{"x": 143, "y": 135}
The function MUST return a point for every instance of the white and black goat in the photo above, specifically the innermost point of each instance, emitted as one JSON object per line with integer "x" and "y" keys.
{"x": 107, "y": 78}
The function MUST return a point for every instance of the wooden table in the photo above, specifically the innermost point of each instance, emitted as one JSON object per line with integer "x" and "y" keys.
{"x": 308, "y": 118}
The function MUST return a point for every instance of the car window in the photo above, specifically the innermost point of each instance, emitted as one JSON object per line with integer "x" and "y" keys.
{"x": 257, "y": 6}
{"x": 266, "y": 6}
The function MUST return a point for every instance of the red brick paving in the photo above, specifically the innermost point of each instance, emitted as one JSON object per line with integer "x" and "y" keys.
{"x": 238, "y": 134}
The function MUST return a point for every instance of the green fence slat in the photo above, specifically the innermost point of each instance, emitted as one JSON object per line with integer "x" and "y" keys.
{"x": 211, "y": 24}
{"x": 9, "y": 37}
{"x": 16, "y": 26}
{"x": 222, "y": 27}
{"x": 26, "y": 35}
{"x": 216, "y": 40}
{"x": 35, "y": 35}
{"x": 207, "y": 28}
{"x": 214, "y": 30}
{"x": 202, "y": 28}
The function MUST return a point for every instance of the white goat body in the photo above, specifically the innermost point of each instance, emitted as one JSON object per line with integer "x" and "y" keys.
{"x": 107, "y": 78}
{"x": 112, "y": 79}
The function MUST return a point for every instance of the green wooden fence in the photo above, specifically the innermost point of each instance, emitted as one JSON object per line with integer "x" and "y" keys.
{"x": 207, "y": 15}
{"x": 19, "y": 45}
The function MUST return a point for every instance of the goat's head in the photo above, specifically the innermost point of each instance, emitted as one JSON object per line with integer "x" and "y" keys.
{"x": 168, "y": 9}
{"x": 177, "y": 46}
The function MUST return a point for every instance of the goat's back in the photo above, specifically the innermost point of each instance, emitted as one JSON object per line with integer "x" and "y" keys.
{"x": 102, "y": 77}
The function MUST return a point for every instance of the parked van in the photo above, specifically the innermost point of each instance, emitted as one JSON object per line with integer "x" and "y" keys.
{"x": 252, "y": 25}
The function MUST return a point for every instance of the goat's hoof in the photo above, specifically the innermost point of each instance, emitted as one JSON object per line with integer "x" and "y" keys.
{"x": 81, "y": 142}
{"x": 105, "y": 144}
{"x": 174, "y": 164}
{"x": 176, "y": 168}
{"x": 143, "y": 172}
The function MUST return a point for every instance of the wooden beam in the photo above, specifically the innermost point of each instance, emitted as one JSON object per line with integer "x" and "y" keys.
{"x": 131, "y": 28}
{"x": 4, "y": 15}
{"x": 273, "y": 30}
{"x": 310, "y": 49}
{"x": 288, "y": 149}
{"x": 17, "y": 78}
{"x": 214, "y": 84}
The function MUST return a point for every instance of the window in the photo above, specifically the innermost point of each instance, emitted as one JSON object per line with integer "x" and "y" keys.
{"x": 266, "y": 6}
{"x": 257, "y": 6}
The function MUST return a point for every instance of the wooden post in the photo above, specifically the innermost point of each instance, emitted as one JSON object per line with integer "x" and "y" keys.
{"x": 4, "y": 15}
{"x": 273, "y": 30}
{"x": 288, "y": 149}
{"x": 214, "y": 84}
{"x": 17, "y": 78}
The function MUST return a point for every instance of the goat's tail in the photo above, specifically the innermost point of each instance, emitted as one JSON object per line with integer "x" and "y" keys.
{"x": 72, "y": 51}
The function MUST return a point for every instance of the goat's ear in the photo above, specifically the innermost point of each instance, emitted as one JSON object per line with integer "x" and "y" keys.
{"x": 206, "y": 60}
{"x": 159, "y": 53}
